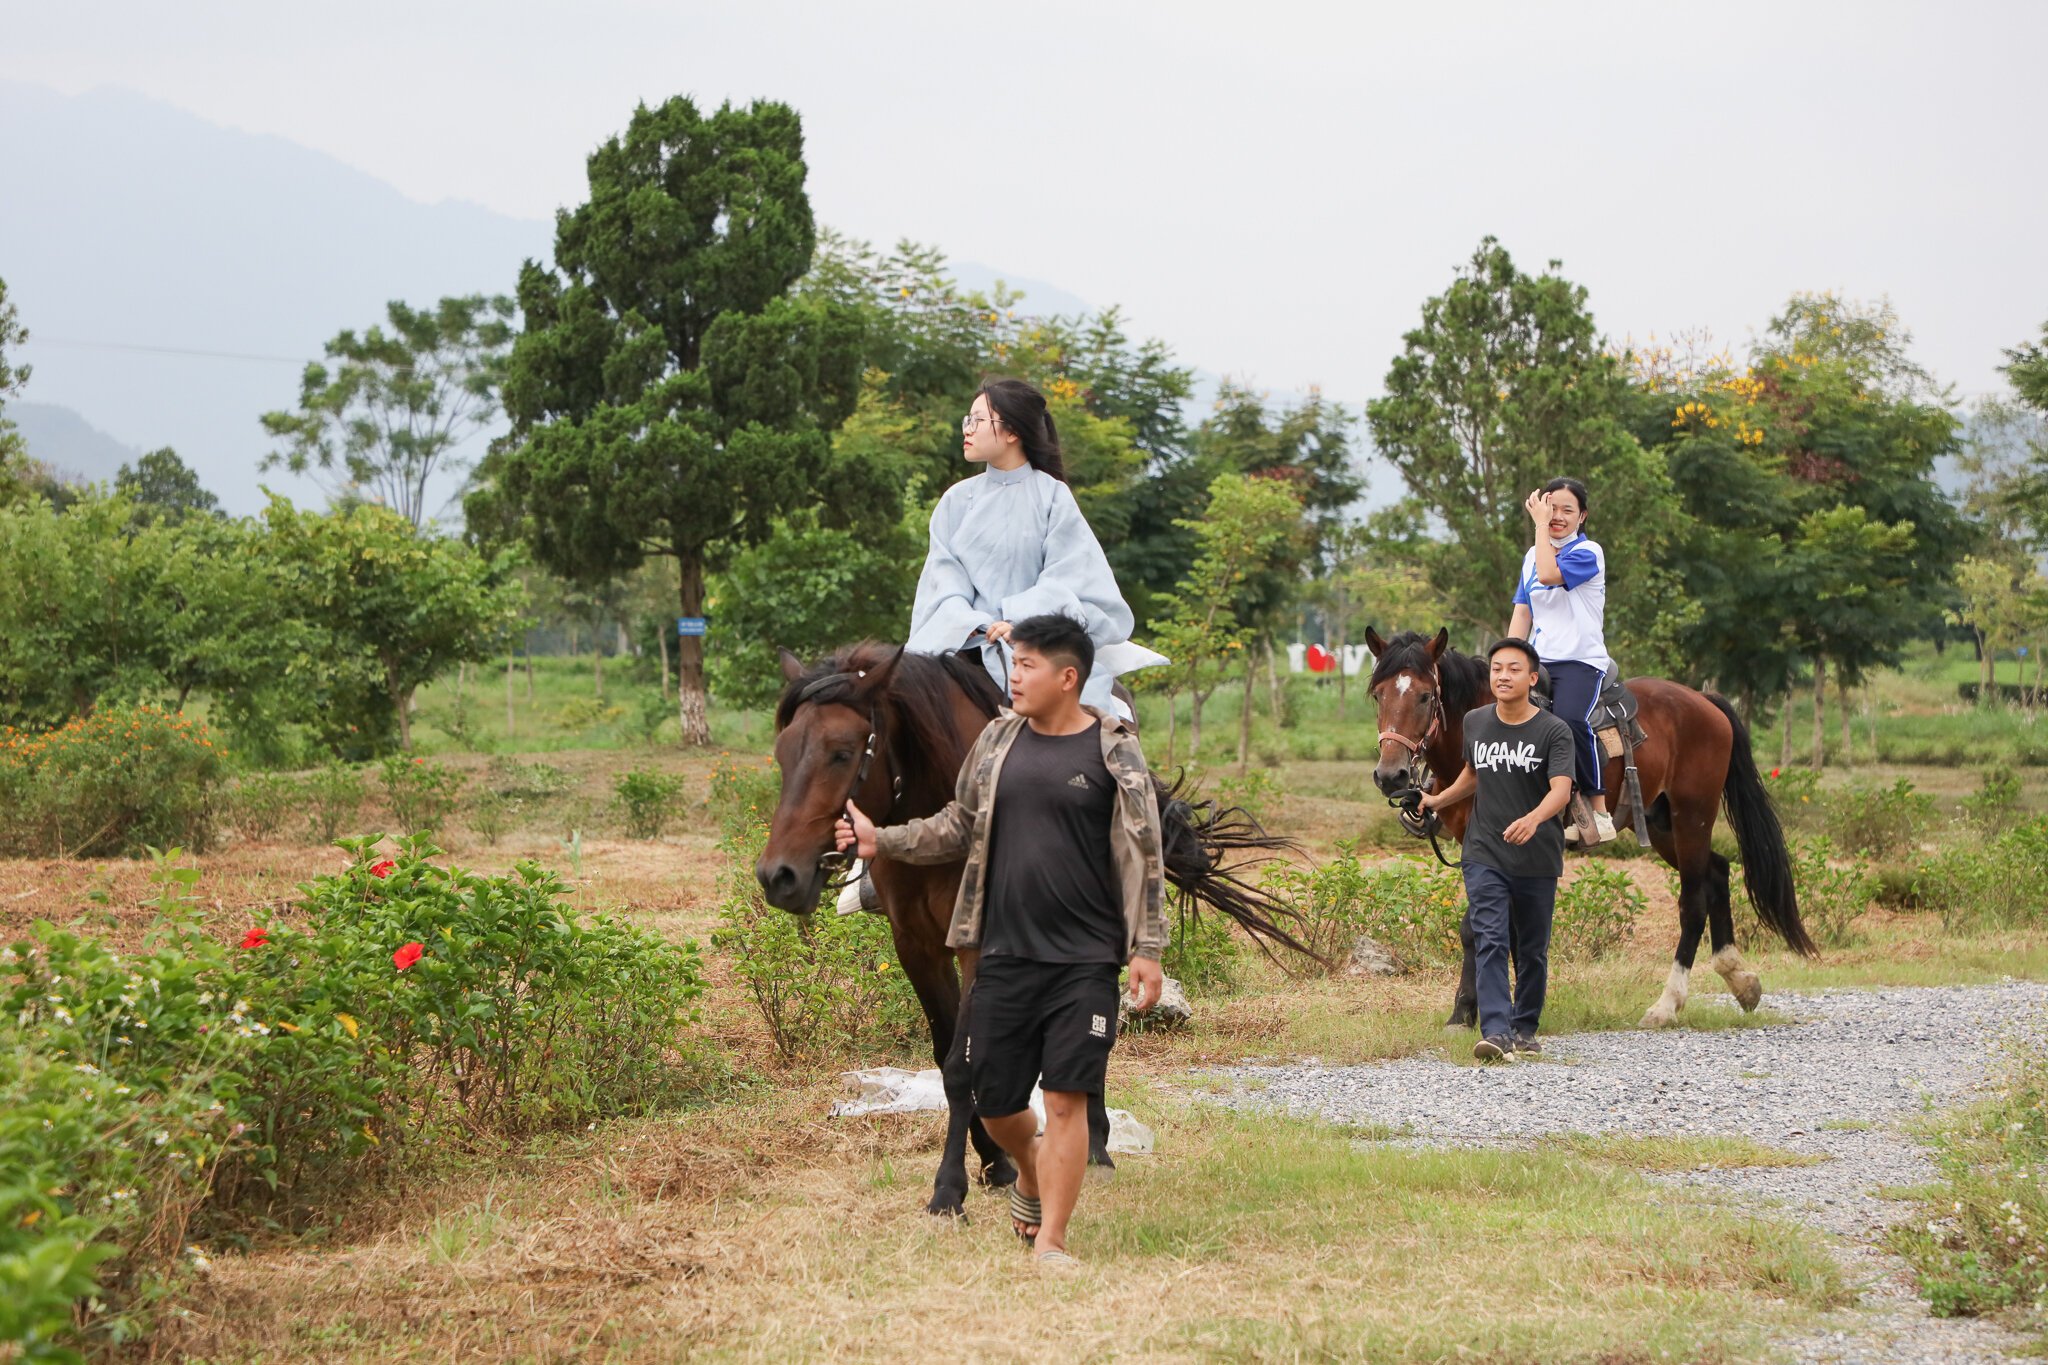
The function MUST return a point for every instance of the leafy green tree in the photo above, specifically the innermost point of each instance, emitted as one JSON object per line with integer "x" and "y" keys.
{"x": 1858, "y": 575}
{"x": 163, "y": 486}
{"x": 1502, "y": 387}
{"x": 2004, "y": 603}
{"x": 75, "y": 589}
{"x": 2022, "y": 495}
{"x": 668, "y": 395}
{"x": 393, "y": 603}
{"x": 393, "y": 405}
{"x": 809, "y": 589}
{"x": 1249, "y": 524}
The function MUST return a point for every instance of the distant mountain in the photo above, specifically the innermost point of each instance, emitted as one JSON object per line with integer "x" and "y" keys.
{"x": 68, "y": 444}
{"x": 175, "y": 276}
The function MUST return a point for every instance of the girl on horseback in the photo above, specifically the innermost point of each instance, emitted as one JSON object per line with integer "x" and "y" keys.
{"x": 1011, "y": 543}
{"x": 1561, "y": 609}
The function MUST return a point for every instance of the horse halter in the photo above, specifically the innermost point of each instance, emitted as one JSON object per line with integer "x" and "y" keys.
{"x": 832, "y": 861}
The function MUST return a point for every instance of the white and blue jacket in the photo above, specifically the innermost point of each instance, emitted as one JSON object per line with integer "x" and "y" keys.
{"x": 1567, "y": 622}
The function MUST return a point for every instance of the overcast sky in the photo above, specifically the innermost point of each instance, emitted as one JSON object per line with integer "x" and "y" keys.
{"x": 1273, "y": 188}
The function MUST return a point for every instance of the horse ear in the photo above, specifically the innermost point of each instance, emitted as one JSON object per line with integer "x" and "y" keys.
{"x": 1440, "y": 643}
{"x": 1374, "y": 643}
{"x": 792, "y": 667}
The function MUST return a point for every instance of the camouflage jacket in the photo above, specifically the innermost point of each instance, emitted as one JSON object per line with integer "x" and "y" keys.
{"x": 962, "y": 829}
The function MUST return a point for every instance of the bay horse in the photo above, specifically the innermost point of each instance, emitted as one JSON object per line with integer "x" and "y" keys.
{"x": 1695, "y": 763}
{"x": 889, "y": 730}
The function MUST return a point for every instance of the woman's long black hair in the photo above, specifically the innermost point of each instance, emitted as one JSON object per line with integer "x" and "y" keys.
{"x": 1022, "y": 410}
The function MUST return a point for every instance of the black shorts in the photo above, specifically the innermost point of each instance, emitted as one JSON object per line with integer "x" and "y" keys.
{"x": 1046, "y": 1023}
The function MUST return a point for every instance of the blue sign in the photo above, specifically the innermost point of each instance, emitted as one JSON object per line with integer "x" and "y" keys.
{"x": 691, "y": 625}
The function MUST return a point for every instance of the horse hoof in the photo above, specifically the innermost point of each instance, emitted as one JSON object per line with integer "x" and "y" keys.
{"x": 1748, "y": 990}
{"x": 946, "y": 1204}
{"x": 1657, "y": 1017}
{"x": 998, "y": 1175}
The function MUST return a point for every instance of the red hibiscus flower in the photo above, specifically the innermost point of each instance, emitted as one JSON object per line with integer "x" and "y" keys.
{"x": 407, "y": 955}
{"x": 383, "y": 869}
{"x": 1774, "y": 772}
{"x": 256, "y": 938}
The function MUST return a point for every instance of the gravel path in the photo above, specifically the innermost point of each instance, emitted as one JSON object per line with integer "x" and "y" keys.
{"x": 1838, "y": 1082}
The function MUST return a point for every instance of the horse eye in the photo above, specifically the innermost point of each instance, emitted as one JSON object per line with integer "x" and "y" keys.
{"x": 842, "y": 756}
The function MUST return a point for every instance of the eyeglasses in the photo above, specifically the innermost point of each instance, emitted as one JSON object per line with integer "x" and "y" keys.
{"x": 973, "y": 420}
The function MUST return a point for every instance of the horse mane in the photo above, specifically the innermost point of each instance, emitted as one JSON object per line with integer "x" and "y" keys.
{"x": 1462, "y": 677}
{"x": 920, "y": 692}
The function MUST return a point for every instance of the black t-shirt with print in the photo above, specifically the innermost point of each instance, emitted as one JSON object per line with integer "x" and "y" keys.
{"x": 1514, "y": 765}
{"x": 1052, "y": 889}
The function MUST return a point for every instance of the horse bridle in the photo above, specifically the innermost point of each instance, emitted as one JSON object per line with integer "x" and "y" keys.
{"x": 833, "y": 862}
{"x": 1424, "y": 824}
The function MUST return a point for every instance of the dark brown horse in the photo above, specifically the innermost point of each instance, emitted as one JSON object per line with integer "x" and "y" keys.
{"x": 1696, "y": 761}
{"x": 889, "y": 730}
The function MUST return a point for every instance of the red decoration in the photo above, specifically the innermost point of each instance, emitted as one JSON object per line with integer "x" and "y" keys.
{"x": 1320, "y": 660}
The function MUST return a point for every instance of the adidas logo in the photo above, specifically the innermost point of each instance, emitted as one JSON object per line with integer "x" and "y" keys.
{"x": 1078, "y": 780}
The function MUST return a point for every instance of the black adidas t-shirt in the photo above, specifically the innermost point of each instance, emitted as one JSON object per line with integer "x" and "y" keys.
{"x": 1514, "y": 765}
{"x": 1052, "y": 892}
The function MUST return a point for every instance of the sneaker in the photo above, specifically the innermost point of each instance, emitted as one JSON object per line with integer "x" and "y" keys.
{"x": 1603, "y": 826}
{"x": 1494, "y": 1049}
{"x": 1528, "y": 1046}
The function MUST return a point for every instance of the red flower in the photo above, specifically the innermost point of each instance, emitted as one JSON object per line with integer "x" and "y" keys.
{"x": 382, "y": 869}
{"x": 407, "y": 955}
{"x": 1774, "y": 772}
{"x": 256, "y": 938}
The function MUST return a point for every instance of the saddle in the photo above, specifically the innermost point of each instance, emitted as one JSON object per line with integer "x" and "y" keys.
{"x": 1613, "y": 721}
{"x": 1615, "y": 726}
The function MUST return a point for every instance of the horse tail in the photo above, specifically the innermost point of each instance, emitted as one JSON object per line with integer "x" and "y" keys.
{"x": 1209, "y": 849}
{"x": 1766, "y": 862}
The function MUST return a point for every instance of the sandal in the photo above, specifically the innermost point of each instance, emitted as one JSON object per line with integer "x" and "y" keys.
{"x": 1025, "y": 1212}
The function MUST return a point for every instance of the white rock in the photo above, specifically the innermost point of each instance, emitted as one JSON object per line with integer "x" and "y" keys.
{"x": 1172, "y": 1011}
{"x": 1369, "y": 958}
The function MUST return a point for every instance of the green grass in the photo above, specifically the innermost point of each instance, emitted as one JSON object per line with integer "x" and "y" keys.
{"x": 1393, "y": 1254}
{"x": 1659, "y": 1154}
{"x": 545, "y": 715}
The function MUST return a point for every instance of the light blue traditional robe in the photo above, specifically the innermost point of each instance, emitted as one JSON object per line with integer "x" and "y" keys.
{"x": 1007, "y": 544}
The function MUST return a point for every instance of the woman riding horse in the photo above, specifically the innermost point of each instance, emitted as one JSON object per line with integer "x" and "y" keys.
{"x": 1011, "y": 543}
{"x": 1561, "y": 608}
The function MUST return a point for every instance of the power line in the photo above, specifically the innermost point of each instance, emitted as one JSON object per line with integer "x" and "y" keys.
{"x": 39, "y": 339}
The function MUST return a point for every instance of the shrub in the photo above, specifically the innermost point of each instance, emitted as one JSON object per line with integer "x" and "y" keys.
{"x": 531, "y": 781}
{"x": 1796, "y": 794}
{"x": 260, "y": 804}
{"x": 740, "y": 795}
{"x": 826, "y": 986}
{"x": 490, "y": 815}
{"x": 586, "y": 713}
{"x": 1830, "y": 896}
{"x": 1413, "y": 908}
{"x": 421, "y": 795}
{"x": 1596, "y": 914}
{"x": 1996, "y": 803}
{"x": 1202, "y": 953}
{"x": 1878, "y": 821}
{"x": 1995, "y": 885}
{"x": 1254, "y": 792}
{"x": 648, "y": 799}
{"x": 334, "y": 799}
{"x": 114, "y": 782}
{"x": 198, "y": 1080}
